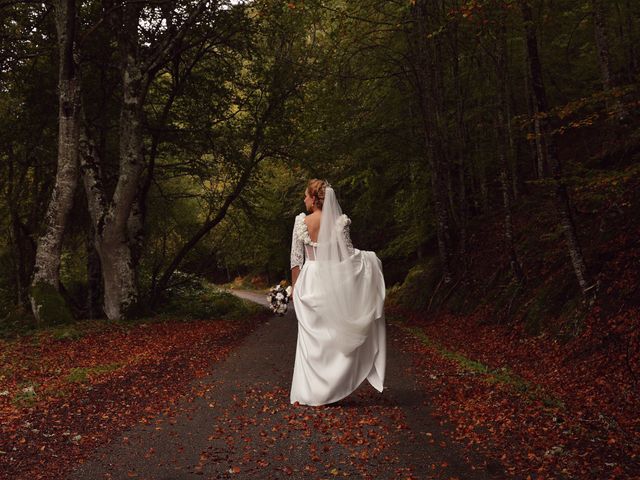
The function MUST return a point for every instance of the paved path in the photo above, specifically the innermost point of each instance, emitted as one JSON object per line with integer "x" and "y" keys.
{"x": 241, "y": 425}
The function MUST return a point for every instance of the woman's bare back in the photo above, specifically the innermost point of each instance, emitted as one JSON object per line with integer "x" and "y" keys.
{"x": 313, "y": 224}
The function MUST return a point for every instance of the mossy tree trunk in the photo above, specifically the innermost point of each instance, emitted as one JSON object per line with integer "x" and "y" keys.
{"x": 111, "y": 218}
{"x": 119, "y": 221}
{"x": 46, "y": 277}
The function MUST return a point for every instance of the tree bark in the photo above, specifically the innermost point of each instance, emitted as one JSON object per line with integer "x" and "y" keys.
{"x": 535, "y": 144}
{"x": 561, "y": 194}
{"x": 632, "y": 47}
{"x": 47, "y": 264}
{"x": 428, "y": 92}
{"x": 118, "y": 272}
{"x": 503, "y": 149}
{"x": 118, "y": 221}
{"x": 604, "y": 60}
{"x": 94, "y": 277}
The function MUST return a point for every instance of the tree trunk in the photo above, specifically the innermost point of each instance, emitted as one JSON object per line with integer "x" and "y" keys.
{"x": 562, "y": 200}
{"x": 428, "y": 94}
{"x": 110, "y": 220}
{"x": 602, "y": 46}
{"x": 535, "y": 142}
{"x": 47, "y": 303}
{"x": 503, "y": 149}
{"x": 459, "y": 146}
{"x": 114, "y": 247}
{"x": 20, "y": 239}
{"x": 513, "y": 150}
{"x": 483, "y": 187}
{"x": 94, "y": 277}
{"x": 119, "y": 222}
{"x": 138, "y": 216}
{"x": 632, "y": 47}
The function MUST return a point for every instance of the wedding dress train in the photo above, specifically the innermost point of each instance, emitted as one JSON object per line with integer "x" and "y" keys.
{"x": 340, "y": 311}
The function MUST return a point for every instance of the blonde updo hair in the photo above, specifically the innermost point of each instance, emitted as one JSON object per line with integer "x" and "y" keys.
{"x": 316, "y": 189}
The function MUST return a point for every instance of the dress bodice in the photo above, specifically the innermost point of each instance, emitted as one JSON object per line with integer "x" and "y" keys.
{"x": 302, "y": 247}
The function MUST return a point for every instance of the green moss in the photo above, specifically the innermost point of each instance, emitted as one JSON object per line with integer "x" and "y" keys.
{"x": 419, "y": 286}
{"x": 50, "y": 305}
{"x": 82, "y": 374}
{"x": 500, "y": 376}
{"x": 67, "y": 332}
{"x": 26, "y": 395}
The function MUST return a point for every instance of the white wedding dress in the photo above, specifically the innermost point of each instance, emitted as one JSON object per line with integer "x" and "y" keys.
{"x": 340, "y": 312}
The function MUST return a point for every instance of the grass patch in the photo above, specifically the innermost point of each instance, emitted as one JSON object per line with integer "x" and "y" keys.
{"x": 26, "y": 395}
{"x": 498, "y": 376}
{"x": 67, "y": 332}
{"x": 83, "y": 374}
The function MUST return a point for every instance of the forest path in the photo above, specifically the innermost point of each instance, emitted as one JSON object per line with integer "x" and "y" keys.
{"x": 241, "y": 425}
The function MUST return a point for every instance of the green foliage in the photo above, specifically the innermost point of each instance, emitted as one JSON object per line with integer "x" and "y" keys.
{"x": 193, "y": 297}
{"x": 419, "y": 286}
{"x": 18, "y": 320}
{"x": 296, "y": 90}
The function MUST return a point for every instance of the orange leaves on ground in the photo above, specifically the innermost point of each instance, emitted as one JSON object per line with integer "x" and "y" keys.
{"x": 76, "y": 392}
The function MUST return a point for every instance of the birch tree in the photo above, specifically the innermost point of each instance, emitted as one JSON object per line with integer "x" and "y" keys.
{"x": 561, "y": 194}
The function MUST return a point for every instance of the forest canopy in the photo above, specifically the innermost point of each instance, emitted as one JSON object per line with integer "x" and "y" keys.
{"x": 141, "y": 139}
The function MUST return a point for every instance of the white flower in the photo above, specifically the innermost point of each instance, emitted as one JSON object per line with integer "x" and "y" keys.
{"x": 303, "y": 233}
{"x": 288, "y": 290}
{"x": 279, "y": 296}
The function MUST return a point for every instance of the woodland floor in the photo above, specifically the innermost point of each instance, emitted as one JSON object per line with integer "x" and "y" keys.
{"x": 210, "y": 399}
{"x": 240, "y": 424}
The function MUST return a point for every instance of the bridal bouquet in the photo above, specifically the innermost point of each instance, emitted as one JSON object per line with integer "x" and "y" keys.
{"x": 278, "y": 298}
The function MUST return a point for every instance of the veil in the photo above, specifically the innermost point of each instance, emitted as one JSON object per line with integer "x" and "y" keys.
{"x": 348, "y": 303}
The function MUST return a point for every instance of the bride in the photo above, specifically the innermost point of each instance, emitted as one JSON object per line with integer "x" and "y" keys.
{"x": 338, "y": 296}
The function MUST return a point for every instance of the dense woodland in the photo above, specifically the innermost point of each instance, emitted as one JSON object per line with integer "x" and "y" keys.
{"x": 140, "y": 139}
{"x": 144, "y": 139}
{"x": 487, "y": 150}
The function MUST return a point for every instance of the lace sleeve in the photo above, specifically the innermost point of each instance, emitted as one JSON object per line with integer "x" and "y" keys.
{"x": 297, "y": 247}
{"x": 345, "y": 223}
